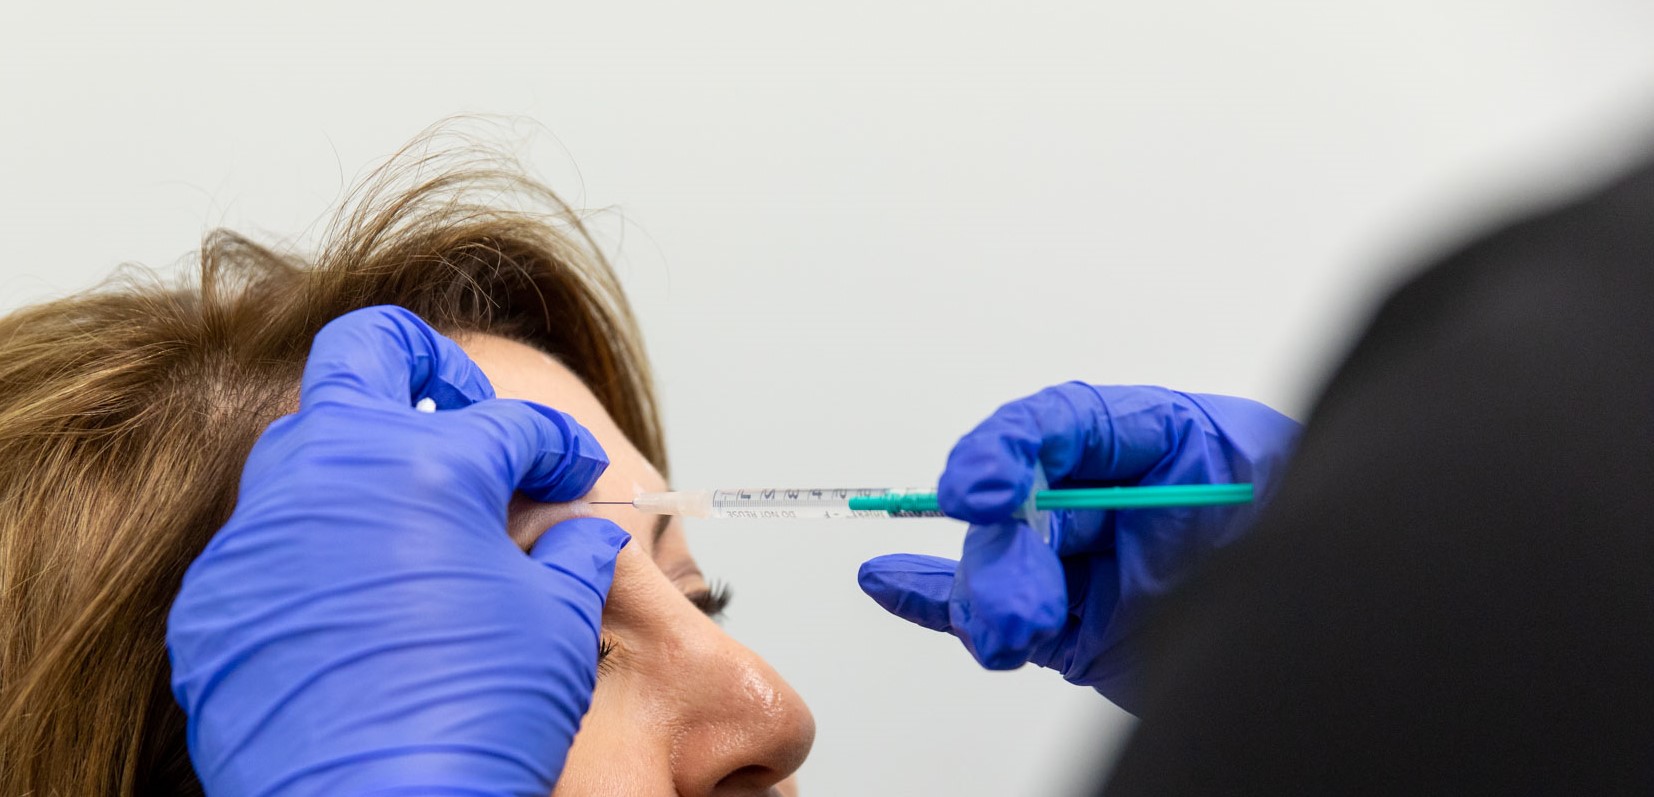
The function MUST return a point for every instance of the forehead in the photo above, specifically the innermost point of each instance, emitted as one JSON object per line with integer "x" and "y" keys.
{"x": 520, "y": 371}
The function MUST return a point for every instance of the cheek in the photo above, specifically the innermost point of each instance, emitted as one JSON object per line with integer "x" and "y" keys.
{"x": 614, "y": 752}
{"x": 626, "y": 739}
{"x": 623, "y": 747}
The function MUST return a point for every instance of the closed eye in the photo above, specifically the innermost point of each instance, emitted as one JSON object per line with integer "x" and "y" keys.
{"x": 711, "y": 600}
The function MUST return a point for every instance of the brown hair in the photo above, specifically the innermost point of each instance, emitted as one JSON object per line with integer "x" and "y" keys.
{"x": 126, "y": 414}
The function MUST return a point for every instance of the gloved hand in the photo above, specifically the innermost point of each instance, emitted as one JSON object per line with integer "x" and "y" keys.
{"x": 1011, "y": 598}
{"x": 363, "y": 624}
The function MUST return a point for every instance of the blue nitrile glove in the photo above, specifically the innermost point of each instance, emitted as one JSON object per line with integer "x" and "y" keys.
{"x": 363, "y": 624}
{"x": 1078, "y": 609}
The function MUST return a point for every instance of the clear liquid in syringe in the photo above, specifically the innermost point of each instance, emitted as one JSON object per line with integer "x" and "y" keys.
{"x": 791, "y": 503}
{"x": 781, "y": 503}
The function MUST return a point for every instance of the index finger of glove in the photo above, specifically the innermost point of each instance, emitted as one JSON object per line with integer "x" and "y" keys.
{"x": 543, "y": 453}
{"x": 388, "y": 354}
{"x": 1076, "y": 430}
{"x": 911, "y": 586}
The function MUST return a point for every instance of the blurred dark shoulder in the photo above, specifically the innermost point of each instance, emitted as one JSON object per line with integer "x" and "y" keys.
{"x": 1453, "y": 590}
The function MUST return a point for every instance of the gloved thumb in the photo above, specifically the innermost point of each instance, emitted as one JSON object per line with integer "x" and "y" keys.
{"x": 583, "y": 550}
{"x": 1009, "y": 594}
{"x": 912, "y": 587}
{"x": 1004, "y": 600}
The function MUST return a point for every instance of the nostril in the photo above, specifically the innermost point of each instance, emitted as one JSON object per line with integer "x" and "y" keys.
{"x": 750, "y": 779}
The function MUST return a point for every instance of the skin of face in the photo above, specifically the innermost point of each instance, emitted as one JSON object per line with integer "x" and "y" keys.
{"x": 680, "y": 708}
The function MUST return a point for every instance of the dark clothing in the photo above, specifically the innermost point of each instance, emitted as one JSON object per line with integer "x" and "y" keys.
{"x": 1453, "y": 591}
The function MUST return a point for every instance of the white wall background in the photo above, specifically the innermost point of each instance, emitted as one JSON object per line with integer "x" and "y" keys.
{"x": 852, "y": 229}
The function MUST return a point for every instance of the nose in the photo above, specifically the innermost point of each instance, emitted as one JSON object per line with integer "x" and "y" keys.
{"x": 746, "y": 729}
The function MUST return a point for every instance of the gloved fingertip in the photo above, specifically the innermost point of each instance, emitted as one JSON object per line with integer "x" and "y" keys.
{"x": 912, "y": 587}
{"x": 387, "y": 353}
{"x": 978, "y": 501}
{"x": 590, "y": 458}
{"x": 556, "y": 459}
{"x": 457, "y": 387}
{"x": 581, "y": 469}
{"x": 584, "y": 547}
{"x": 987, "y": 476}
{"x": 456, "y": 381}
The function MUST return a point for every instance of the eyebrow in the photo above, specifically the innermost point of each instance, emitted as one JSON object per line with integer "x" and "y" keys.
{"x": 660, "y": 529}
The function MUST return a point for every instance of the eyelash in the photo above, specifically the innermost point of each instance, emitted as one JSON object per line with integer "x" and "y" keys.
{"x": 711, "y": 601}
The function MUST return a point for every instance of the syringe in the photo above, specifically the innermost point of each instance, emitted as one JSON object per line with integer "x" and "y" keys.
{"x": 766, "y": 502}
{"x": 882, "y": 502}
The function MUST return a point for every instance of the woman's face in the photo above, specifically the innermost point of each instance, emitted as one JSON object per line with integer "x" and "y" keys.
{"x": 680, "y": 707}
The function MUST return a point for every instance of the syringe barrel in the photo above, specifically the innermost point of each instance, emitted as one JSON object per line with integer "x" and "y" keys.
{"x": 791, "y": 503}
